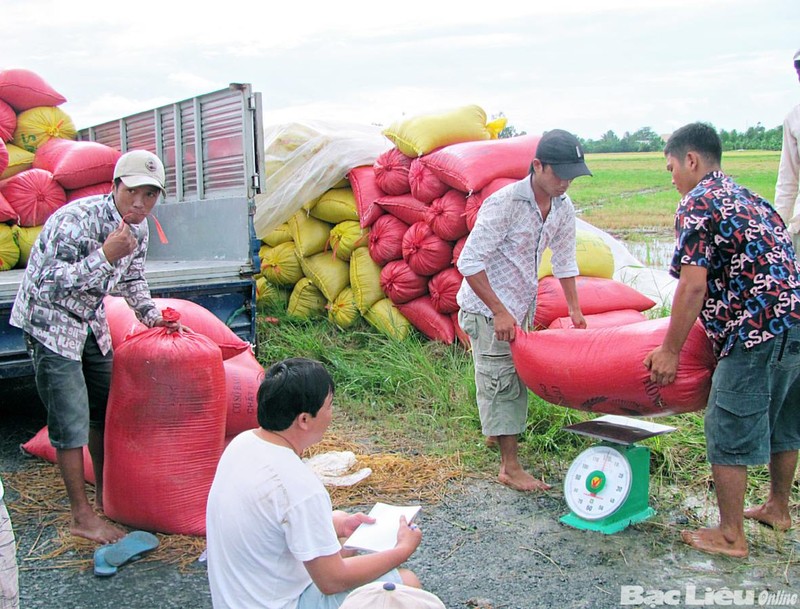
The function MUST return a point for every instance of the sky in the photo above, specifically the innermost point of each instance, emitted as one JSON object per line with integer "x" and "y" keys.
{"x": 588, "y": 66}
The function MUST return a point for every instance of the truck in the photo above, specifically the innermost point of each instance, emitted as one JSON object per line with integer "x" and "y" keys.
{"x": 212, "y": 147}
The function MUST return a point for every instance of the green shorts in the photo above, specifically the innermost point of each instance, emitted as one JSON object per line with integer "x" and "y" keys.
{"x": 501, "y": 395}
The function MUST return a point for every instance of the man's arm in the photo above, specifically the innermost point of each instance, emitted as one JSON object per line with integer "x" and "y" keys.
{"x": 504, "y": 322}
{"x": 569, "y": 286}
{"x": 686, "y": 306}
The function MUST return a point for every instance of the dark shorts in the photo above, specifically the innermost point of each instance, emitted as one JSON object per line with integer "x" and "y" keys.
{"x": 75, "y": 393}
{"x": 754, "y": 406}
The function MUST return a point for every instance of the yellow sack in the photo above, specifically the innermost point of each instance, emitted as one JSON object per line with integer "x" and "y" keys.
{"x": 346, "y": 237}
{"x": 343, "y": 311}
{"x": 25, "y": 237}
{"x": 420, "y": 135}
{"x": 386, "y": 317}
{"x": 330, "y": 274}
{"x": 37, "y": 125}
{"x": 595, "y": 258}
{"x": 19, "y": 160}
{"x": 270, "y": 295}
{"x": 336, "y": 205}
{"x": 365, "y": 279}
{"x": 306, "y": 301}
{"x": 278, "y": 235}
{"x": 9, "y": 251}
{"x": 280, "y": 264}
{"x": 310, "y": 235}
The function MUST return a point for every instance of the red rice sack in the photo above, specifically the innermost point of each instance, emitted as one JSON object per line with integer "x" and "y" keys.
{"x": 476, "y": 199}
{"x": 443, "y": 287}
{"x": 404, "y": 207}
{"x": 77, "y": 164}
{"x": 165, "y": 431}
{"x": 425, "y": 186}
{"x": 3, "y": 157}
{"x": 34, "y": 194}
{"x": 39, "y": 446}
{"x": 386, "y": 239}
{"x": 595, "y": 294}
{"x": 366, "y": 192}
{"x": 457, "y": 249}
{"x": 609, "y": 319}
{"x": 7, "y": 213}
{"x": 8, "y": 122}
{"x": 425, "y": 318}
{"x": 446, "y": 216}
{"x": 424, "y": 251}
{"x": 602, "y": 370}
{"x": 243, "y": 375}
{"x": 463, "y": 337}
{"x": 122, "y": 321}
{"x": 400, "y": 283}
{"x": 391, "y": 172}
{"x": 470, "y": 166}
{"x": 23, "y": 89}
{"x": 103, "y": 188}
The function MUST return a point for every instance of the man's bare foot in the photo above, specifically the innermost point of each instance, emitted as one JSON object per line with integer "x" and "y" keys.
{"x": 762, "y": 513}
{"x": 492, "y": 442}
{"x": 95, "y": 528}
{"x": 713, "y": 541}
{"x": 522, "y": 481}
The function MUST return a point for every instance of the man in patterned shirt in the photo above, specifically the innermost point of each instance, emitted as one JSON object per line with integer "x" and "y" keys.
{"x": 86, "y": 250}
{"x": 500, "y": 263}
{"x": 737, "y": 271}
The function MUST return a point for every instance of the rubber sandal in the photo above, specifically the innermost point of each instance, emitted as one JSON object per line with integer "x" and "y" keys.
{"x": 130, "y": 548}
{"x": 101, "y": 566}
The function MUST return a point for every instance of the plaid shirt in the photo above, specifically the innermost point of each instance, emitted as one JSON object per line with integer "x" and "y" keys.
{"x": 61, "y": 295}
{"x": 507, "y": 242}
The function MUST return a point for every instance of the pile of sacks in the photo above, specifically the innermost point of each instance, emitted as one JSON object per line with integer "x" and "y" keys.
{"x": 42, "y": 167}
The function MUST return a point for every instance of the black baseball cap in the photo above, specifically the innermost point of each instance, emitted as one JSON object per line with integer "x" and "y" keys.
{"x": 564, "y": 152}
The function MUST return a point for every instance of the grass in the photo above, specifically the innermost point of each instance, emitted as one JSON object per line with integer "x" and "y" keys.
{"x": 419, "y": 396}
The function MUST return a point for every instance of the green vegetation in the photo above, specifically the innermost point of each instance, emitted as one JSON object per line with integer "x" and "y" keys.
{"x": 418, "y": 396}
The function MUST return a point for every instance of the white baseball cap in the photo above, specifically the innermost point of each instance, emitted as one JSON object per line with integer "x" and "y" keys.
{"x": 141, "y": 168}
{"x": 387, "y": 595}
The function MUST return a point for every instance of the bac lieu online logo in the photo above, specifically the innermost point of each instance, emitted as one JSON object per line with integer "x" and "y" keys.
{"x": 692, "y": 596}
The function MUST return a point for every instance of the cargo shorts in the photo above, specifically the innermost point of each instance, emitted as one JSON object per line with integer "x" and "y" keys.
{"x": 501, "y": 395}
{"x": 754, "y": 405}
{"x": 75, "y": 393}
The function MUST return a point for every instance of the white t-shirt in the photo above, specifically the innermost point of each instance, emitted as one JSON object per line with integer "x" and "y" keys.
{"x": 267, "y": 513}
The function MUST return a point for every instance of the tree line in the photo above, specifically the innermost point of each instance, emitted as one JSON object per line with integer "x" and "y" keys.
{"x": 647, "y": 140}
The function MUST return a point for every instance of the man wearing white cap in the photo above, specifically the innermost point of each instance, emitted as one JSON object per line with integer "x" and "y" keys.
{"x": 86, "y": 250}
{"x": 787, "y": 192}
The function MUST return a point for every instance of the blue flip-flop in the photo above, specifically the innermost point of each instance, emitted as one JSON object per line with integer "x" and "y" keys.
{"x": 130, "y": 548}
{"x": 101, "y": 566}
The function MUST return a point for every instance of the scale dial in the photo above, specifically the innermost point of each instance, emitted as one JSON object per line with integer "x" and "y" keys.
{"x": 597, "y": 482}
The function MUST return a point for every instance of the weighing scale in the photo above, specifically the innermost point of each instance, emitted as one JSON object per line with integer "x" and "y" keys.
{"x": 607, "y": 486}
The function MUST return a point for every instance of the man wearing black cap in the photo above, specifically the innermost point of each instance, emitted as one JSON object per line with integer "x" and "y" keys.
{"x": 500, "y": 263}
{"x": 787, "y": 190}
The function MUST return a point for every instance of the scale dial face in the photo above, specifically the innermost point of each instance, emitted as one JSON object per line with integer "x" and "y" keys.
{"x": 597, "y": 482}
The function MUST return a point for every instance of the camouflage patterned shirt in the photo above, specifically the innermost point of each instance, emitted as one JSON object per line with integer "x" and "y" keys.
{"x": 61, "y": 295}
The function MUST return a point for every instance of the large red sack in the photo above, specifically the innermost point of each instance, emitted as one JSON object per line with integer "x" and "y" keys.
{"x": 23, "y": 90}
{"x": 446, "y": 216}
{"x": 8, "y": 122}
{"x": 243, "y": 376}
{"x": 3, "y": 157}
{"x": 39, "y": 446}
{"x": 404, "y": 207}
{"x": 386, "y": 239}
{"x": 366, "y": 193}
{"x": 400, "y": 283}
{"x": 429, "y": 321}
{"x": 595, "y": 295}
{"x": 165, "y": 431}
{"x": 476, "y": 199}
{"x": 7, "y": 213}
{"x": 443, "y": 287}
{"x": 424, "y": 185}
{"x": 457, "y": 249}
{"x": 424, "y": 251}
{"x": 391, "y": 172}
{"x": 75, "y": 164}
{"x": 34, "y": 194}
{"x": 470, "y": 166}
{"x": 602, "y": 370}
{"x": 609, "y": 319}
{"x": 103, "y": 188}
